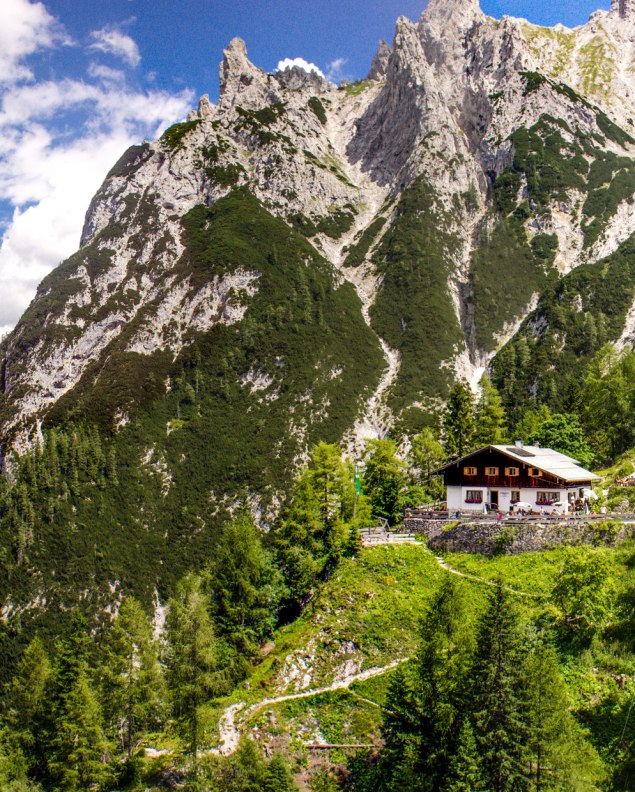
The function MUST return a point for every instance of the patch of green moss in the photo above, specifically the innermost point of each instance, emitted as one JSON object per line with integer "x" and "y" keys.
{"x": 533, "y": 81}
{"x": 303, "y": 224}
{"x": 613, "y": 131}
{"x": 130, "y": 161}
{"x": 225, "y": 175}
{"x": 596, "y": 64}
{"x": 258, "y": 123}
{"x": 355, "y": 88}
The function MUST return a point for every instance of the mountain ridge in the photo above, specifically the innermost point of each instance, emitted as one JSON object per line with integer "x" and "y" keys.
{"x": 427, "y": 63}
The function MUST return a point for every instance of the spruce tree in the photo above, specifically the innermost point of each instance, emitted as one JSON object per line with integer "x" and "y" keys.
{"x": 464, "y": 769}
{"x": 399, "y": 762}
{"x": 193, "y": 670}
{"x": 489, "y": 415}
{"x": 559, "y": 750}
{"x": 499, "y": 696}
{"x": 27, "y": 700}
{"x": 425, "y": 707}
{"x": 132, "y": 681}
{"x": 277, "y": 777}
{"x": 79, "y": 750}
{"x": 443, "y": 662}
{"x": 426, "y": 454}
{"x": 458, "y": 421}
{"x": 14, "y": 766}
{"x": 245, "y": 585}
{"x": 315, "y": 527}
{"x": 71, "y": 659}
{"x": 385, "y": 479}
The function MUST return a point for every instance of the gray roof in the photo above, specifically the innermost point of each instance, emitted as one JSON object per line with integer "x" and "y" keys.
{"x": 553, "y": 462}
{"x": 560, "y": 465}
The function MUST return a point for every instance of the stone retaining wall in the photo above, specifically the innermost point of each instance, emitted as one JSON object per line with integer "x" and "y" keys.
{"x": 494, "y": 537}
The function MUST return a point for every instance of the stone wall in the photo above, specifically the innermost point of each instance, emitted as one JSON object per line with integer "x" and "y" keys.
{"x": 491, "y": 537}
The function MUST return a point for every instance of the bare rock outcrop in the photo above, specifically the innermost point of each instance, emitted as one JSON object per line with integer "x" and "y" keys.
{"x": 379, "y": 65}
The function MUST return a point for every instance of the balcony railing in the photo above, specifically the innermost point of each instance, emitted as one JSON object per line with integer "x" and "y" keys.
{"x": 507, "y": 482}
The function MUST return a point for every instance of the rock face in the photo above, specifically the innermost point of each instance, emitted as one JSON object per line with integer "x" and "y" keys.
{"x": 625, "y": 8}
{"x": 380, "y": 62}
{"x": 413, "y": 185}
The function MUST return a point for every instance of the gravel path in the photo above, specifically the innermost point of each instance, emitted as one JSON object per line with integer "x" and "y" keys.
{"x": 229, "y": 728}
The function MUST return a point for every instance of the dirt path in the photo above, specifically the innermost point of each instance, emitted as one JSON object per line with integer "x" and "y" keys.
{"x": 229, "y": 728}
{"x": 444, "y": 565}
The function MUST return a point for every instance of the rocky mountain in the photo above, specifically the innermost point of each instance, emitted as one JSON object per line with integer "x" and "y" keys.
{"x": 302, "y": 261}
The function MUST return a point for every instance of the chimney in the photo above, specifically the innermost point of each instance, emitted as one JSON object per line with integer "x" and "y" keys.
{"x": 519, "y": 443}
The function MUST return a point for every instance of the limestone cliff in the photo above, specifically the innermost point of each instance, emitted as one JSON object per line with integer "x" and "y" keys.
{"x": 414, "y": 185}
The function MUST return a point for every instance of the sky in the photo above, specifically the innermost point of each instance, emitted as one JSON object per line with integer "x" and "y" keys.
{"x": 81, "y": 80}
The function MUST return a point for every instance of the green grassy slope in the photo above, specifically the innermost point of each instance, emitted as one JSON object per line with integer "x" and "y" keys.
{"x": 371, "y": 607}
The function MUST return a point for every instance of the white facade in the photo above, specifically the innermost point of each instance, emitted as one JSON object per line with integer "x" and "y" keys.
{"x": 474, "y": 498}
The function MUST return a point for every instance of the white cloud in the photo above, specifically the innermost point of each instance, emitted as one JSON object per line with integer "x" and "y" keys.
{"x": 289, "y": 63}
{"x": 114, "y": 42}
{"x": 25, "y": 27}
{"x": 58, "y": 139}
{"x": 100, "y": 72}
{"x": 335, "y": 70}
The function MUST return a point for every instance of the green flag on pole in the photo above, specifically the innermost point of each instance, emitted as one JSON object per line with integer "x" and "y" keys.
{"x": 358, "y": 481}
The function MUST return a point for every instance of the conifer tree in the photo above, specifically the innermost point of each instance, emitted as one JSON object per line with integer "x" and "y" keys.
{"x": 192, "y": 659}
{"x": 426, "y": 454}
{"x": 315, "y": 527}
{"x": 490, "y": 415}
{"x": 559, "y": 750}
{"x": 14, "y": 766}
{"x": 464, "y": 770}
{"x": 132, "y": 681}
{"x": 444, "y": 660}
{"x": 277, "y": 777}
{"x": 27, "y": 700}
{"x": 71, "y": 658}
{"x": 421, "y": 727}
{"x": 385, "y": 479}
{"x": 79, "y": 750}
{"x": 499, "y": 698}
{"x": 245, "y": 585}
{"x": 458, "y": 421}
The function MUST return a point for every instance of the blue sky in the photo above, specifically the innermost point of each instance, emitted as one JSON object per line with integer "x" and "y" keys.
{"x": 80, "y": 80}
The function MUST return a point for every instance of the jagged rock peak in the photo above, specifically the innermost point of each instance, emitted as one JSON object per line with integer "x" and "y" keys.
{"x": 205, "y": 107}
{"x": 236, "y": 70}
{"x": 625, "y": 8}
{"x": 453, "y": 13}
{"x": 295, "y": 78}
{"x": 379, "y": 66}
